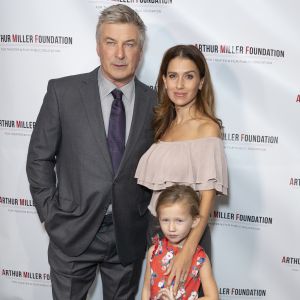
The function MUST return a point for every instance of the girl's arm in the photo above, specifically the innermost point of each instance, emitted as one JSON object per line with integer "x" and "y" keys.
{"x": 146, "y": 286}
{"x": 208, "y": 282}
{"x": 182, "y": 262}
{"x": 166, "y": 294}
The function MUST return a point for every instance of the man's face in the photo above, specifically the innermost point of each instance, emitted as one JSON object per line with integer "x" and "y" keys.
{"x": 120, "y": 51}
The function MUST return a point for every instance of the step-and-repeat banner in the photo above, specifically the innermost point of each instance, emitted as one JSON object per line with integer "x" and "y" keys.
{"x": 252, "y": 48}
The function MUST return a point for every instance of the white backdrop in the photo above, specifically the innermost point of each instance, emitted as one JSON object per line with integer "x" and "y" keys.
{"x": 252, "y": 48}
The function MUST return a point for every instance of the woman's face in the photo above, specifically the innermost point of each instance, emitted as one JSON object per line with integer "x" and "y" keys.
{"x": 182, "y": 81}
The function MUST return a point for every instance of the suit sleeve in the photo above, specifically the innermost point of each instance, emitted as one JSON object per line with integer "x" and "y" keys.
{"x": 42, "y": 152}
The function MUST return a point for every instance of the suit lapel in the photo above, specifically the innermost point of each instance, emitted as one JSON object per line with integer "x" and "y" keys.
{"x": 91, "y": 101}
{"x": 141, "y": 108}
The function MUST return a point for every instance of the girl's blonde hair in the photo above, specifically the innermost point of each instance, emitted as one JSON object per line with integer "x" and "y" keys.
{"x": 179, "y": 194}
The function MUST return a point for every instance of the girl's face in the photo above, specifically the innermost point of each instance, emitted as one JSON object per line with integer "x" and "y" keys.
{"x": 182, "y": 81}
{"x": 176, "y": 222}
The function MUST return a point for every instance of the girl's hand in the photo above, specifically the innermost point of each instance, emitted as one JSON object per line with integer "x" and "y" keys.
{"x": 179, "y": 268}
{"x": 166, "y": 294}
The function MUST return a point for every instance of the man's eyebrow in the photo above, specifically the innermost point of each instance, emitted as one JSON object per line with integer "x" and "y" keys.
{"x": 126, "y": 41}
{"x": 109, "y": 38}
{"x": 131, "y": 40}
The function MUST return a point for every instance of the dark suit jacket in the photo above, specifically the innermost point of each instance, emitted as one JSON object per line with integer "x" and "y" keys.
{"x": 70, "y": 172}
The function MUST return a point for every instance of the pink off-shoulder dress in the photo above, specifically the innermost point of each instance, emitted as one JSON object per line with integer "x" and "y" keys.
{"x": 199, "y": 163}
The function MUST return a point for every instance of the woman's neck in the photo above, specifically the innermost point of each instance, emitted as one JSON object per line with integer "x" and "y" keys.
{"x": 185, "y": 113}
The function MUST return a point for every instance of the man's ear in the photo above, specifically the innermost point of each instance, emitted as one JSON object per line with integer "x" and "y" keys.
{"x": 98, "y": 49}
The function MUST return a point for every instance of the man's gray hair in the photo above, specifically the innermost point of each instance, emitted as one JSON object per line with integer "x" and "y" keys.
{"x": 121, "y": 14}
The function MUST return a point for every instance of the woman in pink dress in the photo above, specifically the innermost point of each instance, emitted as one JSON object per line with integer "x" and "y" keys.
{"x": 188, "y": 148}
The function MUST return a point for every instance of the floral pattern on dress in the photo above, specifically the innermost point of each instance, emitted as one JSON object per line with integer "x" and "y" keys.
{"x": 161, "y": 257}
{"x": 167, "y": 259}
{"x": 193, "y": 296}
{"x": 180, "y": 293}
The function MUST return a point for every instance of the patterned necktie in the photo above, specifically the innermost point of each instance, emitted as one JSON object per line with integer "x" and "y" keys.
{"x": 116, "y": 129}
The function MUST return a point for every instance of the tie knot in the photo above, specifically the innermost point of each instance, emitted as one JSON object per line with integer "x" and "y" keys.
{"x": 117, "y": 94}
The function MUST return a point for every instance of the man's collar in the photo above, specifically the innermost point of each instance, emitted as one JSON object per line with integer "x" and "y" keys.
{"x": 107, "y": 86}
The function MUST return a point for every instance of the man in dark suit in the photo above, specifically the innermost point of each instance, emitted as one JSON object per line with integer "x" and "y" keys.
{"x": 90, "y": 133}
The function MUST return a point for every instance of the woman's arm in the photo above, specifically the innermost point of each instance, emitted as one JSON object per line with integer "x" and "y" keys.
{"x": 182, "y": 262}
{"x": 146, "y": 286}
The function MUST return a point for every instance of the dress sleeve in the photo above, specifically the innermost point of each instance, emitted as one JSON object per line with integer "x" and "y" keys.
{"x": 210, "y": 167}
{"x": 200, "y": 256}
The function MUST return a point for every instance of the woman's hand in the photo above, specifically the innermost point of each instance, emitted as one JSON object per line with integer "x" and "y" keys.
{"x": 180, "y": 265}
{"x": 179, "y": 268}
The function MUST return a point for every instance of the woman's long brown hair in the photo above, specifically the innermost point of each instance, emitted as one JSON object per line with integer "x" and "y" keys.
{"x": 165, "y": 112}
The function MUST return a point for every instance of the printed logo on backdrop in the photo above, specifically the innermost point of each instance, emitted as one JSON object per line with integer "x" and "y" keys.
{"x": 27, "y": 277}
{"x": 293, "y": 263}
{"x": 234, "y": 219}
{"x": 34, "y": 42}
{"x": 298, "y": 99}
{"x": 140, "y": 6}
{"x": 221, "y": 53}
{"x": 17, "y": 205}
{"x": 16, "y": 127}
{"x": 294, "y": 182}
{"x": 249, "y": 141}
{"x": 241, "y": 293}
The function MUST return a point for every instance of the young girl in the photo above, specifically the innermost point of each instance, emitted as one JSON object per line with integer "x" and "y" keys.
{"x": 178, "y": 212}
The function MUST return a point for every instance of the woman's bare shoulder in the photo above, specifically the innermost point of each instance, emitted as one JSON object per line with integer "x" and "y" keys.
{"x": 208, "y": 128}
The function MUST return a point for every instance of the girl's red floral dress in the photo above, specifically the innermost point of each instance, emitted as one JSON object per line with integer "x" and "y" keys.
{"x": 161, "y": 257}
